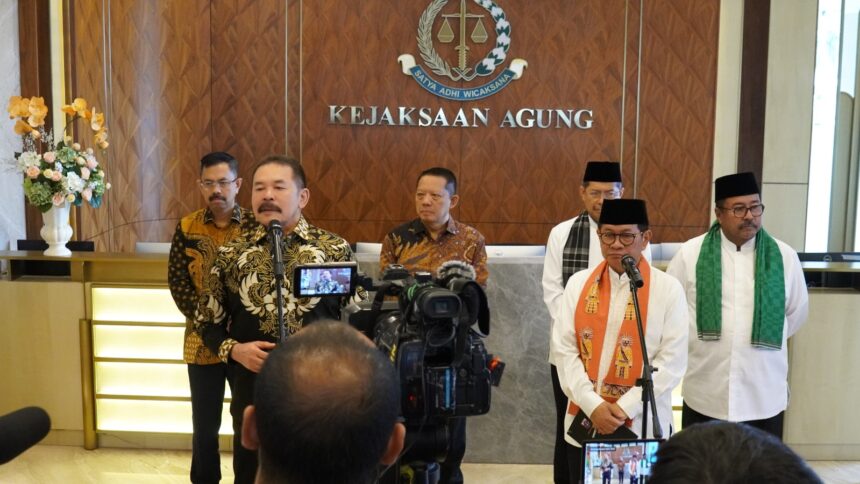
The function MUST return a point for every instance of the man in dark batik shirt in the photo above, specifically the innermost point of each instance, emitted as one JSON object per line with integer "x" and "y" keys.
{"x": 195, "y": 245}
{"x": 237, "y": 315}
{"x": 433, "y": 238}
{"x": 426, "y": 243}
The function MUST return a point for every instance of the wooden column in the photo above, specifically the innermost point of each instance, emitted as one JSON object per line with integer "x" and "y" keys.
{"x": 753, "y": 86}
{"x": 35, "y": 52}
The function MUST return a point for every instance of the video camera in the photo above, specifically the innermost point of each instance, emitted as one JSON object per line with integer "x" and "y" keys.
{"x": 432, "y": 330}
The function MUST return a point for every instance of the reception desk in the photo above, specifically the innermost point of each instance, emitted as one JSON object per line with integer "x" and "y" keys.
{"x": 101, "y": 350}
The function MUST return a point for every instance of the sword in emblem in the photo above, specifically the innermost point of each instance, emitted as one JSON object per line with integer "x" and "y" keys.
{"x": 463, "y": 48}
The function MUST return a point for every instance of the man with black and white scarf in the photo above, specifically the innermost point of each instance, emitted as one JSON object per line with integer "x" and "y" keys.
{"x": 573, "y": 245}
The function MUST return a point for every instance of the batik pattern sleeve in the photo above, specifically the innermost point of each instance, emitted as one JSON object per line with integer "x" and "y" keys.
{"x": 178, "y": 278}
{"x": 387, "y": 255}
{"x": 479, "y": 262}
{"x": 211, "y": 317}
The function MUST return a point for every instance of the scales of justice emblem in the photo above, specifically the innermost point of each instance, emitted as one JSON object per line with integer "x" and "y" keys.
{"x": 471, "y": 35}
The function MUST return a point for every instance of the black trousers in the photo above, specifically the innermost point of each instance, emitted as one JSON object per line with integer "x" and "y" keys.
{"x": 449, "y": 471}
{"x": 560, "y": 470}
{"x": 574, "y": 463}
{"x": 242, "y": 386}
{"x": 207, "y": 401}
{"x": 772, "y": 425}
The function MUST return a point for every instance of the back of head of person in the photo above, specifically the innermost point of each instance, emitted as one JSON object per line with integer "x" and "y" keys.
{"x": 727, "y": 452}
{"x": 326, "y": 406}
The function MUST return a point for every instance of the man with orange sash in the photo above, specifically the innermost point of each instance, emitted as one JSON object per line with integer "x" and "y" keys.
{"x": 595, "y": 342}
{"x": 747, "y": 296}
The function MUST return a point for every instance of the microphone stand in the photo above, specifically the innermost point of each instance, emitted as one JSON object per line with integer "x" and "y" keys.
{"x": 278, "y": 263}
{"x": 647, "y": 380}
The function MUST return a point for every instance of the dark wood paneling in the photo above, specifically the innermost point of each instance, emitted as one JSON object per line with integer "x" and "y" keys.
{"x": 753, "y": 86}
{"x": 676, "y": 121}
{"x": 257, "y": 76}
{"x": 156, "y": 93}
{"x": 248, "y": 82}
{"x": 517, "y": 183}
{"x": 35, "y": 57}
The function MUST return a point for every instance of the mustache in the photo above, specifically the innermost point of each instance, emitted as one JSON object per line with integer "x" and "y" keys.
{"x": 268, "y": 206}
{"x": 748, "y": 225}
{"x": 217, "y": 197}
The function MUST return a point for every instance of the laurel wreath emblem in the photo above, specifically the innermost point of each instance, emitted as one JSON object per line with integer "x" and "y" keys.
{"x": 485, "y": 66}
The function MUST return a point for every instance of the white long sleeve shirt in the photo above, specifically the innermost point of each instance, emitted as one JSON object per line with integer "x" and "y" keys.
{"x": 729, "y": 379}
{"x": 665, "y": 337}
{"x": 552, "y": 279}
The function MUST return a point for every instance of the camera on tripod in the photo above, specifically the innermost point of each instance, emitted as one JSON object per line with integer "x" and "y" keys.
{"x": 432, "y": 330}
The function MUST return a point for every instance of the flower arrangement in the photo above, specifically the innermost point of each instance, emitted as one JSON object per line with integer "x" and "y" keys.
{"x": 63, "y": 172}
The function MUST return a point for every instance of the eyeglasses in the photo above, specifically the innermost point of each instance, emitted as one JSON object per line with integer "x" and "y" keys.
{"x": 607, "y": 195}
{"x": 608, "y": 238}
{"x": 741, "y": 211}
{"x": 223, "y": 184}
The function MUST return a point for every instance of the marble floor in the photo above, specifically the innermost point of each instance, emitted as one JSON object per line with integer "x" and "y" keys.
{"x": 74, "y": 465}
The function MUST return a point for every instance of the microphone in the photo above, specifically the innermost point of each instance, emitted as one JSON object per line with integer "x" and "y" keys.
{"x": 632, "y": 271}
{"x": 276, "y": 233}
{"x": 21, "y": 430}
{"x": 455, "y": 269}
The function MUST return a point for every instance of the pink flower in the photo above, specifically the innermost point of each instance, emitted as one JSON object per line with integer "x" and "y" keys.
{"x": 50, "y": 157}
{"x": 56, "y": 176}
{"x": 92, "y": 163}
{"x": 33, "y": 172}
{"x": 87, "y": 194}
{"x": 85, "y": 173}
{"x": 58, "y": 199}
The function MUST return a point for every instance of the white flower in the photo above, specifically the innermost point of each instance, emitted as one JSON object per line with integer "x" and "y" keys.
{"x": 75, "y": 183}
{"x": 28, "y": 159}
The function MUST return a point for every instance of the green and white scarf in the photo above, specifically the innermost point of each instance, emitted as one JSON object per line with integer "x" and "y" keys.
{"x": 769, "y": 311}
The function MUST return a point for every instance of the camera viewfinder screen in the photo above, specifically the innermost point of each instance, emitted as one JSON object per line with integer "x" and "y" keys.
{"x": 634, "y": 457}
{"x": 325, "y": 281}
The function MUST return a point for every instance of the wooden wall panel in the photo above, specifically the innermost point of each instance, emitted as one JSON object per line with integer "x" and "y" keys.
{"x": 157, "y": 92}
{"x": 519, "y": 183}
{"x": 248, "y": 82}
{"x": 88, "y": 79}
{"x": 257, "y": 76}
{"x": 35, "y": 59}
{"x": 362, "y": 177}
{"x": 678, "y": 105}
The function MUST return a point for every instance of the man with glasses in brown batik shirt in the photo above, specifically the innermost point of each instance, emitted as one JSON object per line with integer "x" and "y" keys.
{"x": 424, "y": 244}
{"x": 195, "y": 245}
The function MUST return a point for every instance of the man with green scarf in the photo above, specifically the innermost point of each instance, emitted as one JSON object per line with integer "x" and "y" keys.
{"x": 747, "y": 296}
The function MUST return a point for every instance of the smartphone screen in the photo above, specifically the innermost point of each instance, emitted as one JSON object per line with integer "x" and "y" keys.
{"x": 324, "y": 279}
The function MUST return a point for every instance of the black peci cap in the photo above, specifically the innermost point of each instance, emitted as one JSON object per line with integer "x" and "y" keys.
{"x": 624, "y": 211}
{"x": 735, "y": 185}
{"x": 602, "y": 171}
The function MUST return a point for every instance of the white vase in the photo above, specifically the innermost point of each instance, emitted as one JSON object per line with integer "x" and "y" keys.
{"x": 56, "y": 230}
